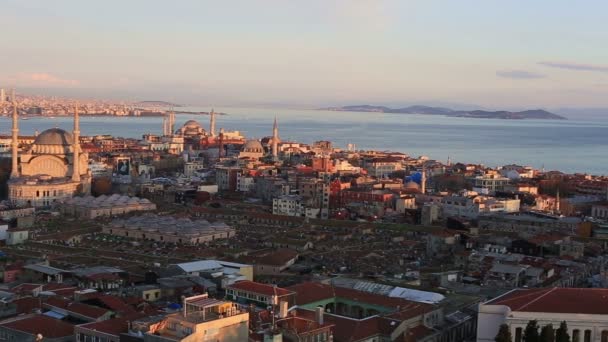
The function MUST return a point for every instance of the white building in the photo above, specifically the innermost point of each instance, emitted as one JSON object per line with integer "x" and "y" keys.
{"x": 245, "y": 182}
{"x": 600, "y": 211}
{"x": 191, "y": 168}
{"x": 472, "y": 206}
{"x": 585, "y": 310}
{"x": 490, "y": 183}
{"x": 342, "y": 166}
{"x": 288, "y": 205}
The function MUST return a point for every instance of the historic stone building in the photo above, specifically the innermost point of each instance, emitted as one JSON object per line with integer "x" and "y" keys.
{"x": 52, "y": 168}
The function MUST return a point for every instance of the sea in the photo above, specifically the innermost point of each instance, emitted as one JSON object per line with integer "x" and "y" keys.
{"x": 564, "y": 145}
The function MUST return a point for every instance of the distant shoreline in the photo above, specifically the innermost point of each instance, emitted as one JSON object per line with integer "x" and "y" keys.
{"x": 534, "y": 114}
{"x": 155, "y": 114}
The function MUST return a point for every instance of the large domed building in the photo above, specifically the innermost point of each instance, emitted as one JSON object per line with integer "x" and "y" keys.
{"x": 191, "y": 128}
{"x": 252, "y": 149}
{"x": 51, "y": 169}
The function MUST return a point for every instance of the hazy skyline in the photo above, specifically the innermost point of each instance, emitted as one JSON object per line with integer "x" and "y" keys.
{"x": 516, "y": 53}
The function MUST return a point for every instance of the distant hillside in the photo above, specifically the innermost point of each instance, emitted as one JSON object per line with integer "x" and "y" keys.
{"x": 484, "y": 114}
{"x": 156, "y": 104}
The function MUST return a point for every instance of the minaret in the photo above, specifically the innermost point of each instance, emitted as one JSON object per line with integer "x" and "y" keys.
{"x": 557, "y": 202}
{"x": 423, "y": 180}
{"x": 275, "y": 140}
{"x": 221, "y": 144}
{"x": 171, "y": 123}
{"x": 212, "y": 123}
{"x": 165, "y": 125}
{"x": 15, "y": 142}
{"x": 76, "y": 147}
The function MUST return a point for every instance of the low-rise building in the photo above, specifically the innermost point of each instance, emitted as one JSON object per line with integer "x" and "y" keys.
{"x": 246, "y": 292}
{"x": 202, "y": 319}
{"x": 584, "y": 310}
{"x": 528, "y": 223}
{"x": 92, "y": 207}
{"x": 169, "y": 229}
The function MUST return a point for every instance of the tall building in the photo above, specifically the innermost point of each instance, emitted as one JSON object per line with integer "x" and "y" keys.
{"x": 15, "y": 143}
{"x": 212, "y": 123}
{"x": 169, "y": 123}
{"x": 49, "y": 170}
{"x": 275, "y": 140}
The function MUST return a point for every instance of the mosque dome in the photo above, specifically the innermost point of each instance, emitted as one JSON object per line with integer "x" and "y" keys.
{"x": 253, "y": 146}
{"x": 54, "y": 136}
{"x": 191, "y": 128}
{"x": 192, "y": 124}
{"x": 53, "y": 141}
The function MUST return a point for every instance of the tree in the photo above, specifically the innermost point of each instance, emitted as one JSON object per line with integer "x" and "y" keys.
{"x": 531, "y": 332}
{"x": 561, "y": 334}
{"x": 504, "y": 334}
{"x": 547, "y": 334}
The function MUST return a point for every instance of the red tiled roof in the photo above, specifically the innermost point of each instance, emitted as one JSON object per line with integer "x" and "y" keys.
{"x": 417, "y": 332}
{"x": 25, "y": 288}
{"x": 348, "y": 329}
{"x": 43, "y": 325}
{"x": 279, "y": 257}
{"x": 310, "y": 292}
{"x": 264, "y": 289}
{"x": 60, "y": 289}
{"x": 115, "y": 326}
{"x": 26, "y": 305}
{"x": 556, "y": 300}
{"x": 115, "y": 304}
{"x": 77, "y": 308}
{"x": 300, "y": 325}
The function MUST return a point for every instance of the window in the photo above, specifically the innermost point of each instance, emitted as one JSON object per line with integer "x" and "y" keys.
{"x": 604, "y": 335}
{"x": 518, "y": 333}
{"x": 576, "y": 335}
{"x": 587, "y": 335}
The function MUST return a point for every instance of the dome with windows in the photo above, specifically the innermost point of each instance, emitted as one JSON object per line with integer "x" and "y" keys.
{"x": 191, "y": 128}
{"x": 53, "y": 141}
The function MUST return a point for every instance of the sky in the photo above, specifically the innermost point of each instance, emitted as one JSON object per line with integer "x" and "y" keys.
{"x": 487, "y": 53}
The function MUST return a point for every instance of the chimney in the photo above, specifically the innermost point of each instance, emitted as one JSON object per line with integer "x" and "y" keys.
{"x": 319, "y": 314}
{"x": 283, "y": 307}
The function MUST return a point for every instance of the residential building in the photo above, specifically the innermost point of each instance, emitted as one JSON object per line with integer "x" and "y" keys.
{"x": 489, "y": 183}
{"x": 245, "y": 292}
{"x": 202, "y": 319}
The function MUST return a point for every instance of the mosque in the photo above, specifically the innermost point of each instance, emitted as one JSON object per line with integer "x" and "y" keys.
{"x": 51, "y": 169}
{"x": 254, "y": 149}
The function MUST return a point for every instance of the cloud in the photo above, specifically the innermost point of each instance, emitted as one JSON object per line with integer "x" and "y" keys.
{"x": 575, "y": 66}
{"x": 519, "y": 74}
{"x": 40, "y": 79}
